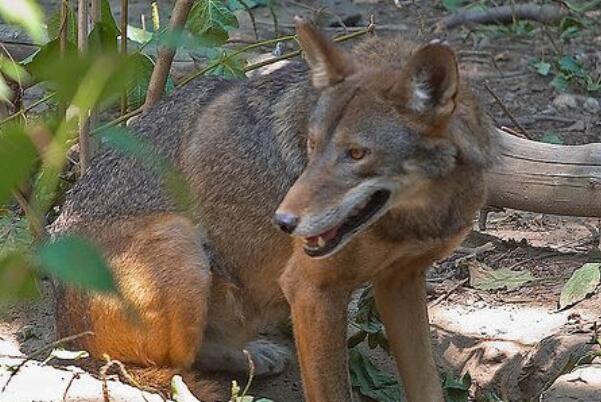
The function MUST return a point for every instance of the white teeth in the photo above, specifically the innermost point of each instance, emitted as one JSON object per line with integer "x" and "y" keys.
{"x": 321, "y": 242}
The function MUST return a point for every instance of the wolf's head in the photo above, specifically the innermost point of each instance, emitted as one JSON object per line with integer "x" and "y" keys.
{"x": 377, "y": 140}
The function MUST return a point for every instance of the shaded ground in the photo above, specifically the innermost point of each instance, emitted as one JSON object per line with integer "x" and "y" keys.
{"x": 513, "y": 342}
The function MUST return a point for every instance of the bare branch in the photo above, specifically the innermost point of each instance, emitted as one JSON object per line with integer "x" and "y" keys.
{"x": 546, "y": 14}
{"x": 160, "y": 73}
{"x": 84, "y": 115}
{"x": 124, "y": 18}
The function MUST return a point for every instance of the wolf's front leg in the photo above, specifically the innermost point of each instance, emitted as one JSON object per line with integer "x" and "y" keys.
{"x": 401, "y": 301}
{"x": 319, "y": 314}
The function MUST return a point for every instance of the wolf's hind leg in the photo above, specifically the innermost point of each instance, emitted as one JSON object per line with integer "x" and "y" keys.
{"x": 164, "y": 279}
{"x": 269, "y": 358}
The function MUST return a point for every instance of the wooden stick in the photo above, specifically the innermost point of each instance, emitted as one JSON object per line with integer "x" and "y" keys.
{"x": 96, "y": 17}
{"x": 84, "y": 115}
{"x": 508, "y": 113}
{"x": 158, "y": 79}
{"x": 546, "y": 14}
{"x": 124, "y": 18}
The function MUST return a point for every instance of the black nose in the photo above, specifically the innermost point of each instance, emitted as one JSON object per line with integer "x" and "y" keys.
{"x": 286, "y": 222}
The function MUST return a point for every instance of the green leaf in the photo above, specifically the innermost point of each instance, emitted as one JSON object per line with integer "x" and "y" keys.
{"x": 457, "y": 390}
{"x": 25, "y": 13}
{"x": 17, "y": 158}
{"x": 552, "y": 138}
{"x": 371, "y": 381}
{"x": 67, "y": 75}
{"x": 63, "y": 354}
{"x": 235, "y": 5}
{"x": 571, "y": 66}
{"x": 12, "y": 69}
{"x": 560, "y": 83}
{"x": 17, "y": 279}
{"x": 14, "y": 234}
{"x": 180, "y": 391}
{"x": 210, "y": 21}
{"x": 579, "y": 8}
{"x": 483, "y": 277}
{"x": 543, "y": 68}
{"x": 106, "y": 16}
{"x": 142, "y": 66}
{"x": 452, "y": 5}
{"x": 569, "y": 27}
{"x": 228, "y": 67}
{"x": 138, "y": 85}
{"x": 103, "y": 38}
{"x": 582, "y": 282}
{"x": 54, "y": 26}
{"x": 138, "y": 35}
{"x": 592, "y": 84}
{"x": 74, "y": 260}
{"x": 5, "y": 91}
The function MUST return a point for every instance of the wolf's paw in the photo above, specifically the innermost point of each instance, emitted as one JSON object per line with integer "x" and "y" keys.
{"x": 269, "y": 357}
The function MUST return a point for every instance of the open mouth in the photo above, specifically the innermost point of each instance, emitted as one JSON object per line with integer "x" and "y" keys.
{"x": 326, "y": 242}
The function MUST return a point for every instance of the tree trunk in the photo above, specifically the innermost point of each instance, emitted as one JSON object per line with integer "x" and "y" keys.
{"x": 552, "y": 179}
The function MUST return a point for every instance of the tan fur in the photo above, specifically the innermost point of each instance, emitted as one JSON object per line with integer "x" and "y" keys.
{"x": 210, "y": 281}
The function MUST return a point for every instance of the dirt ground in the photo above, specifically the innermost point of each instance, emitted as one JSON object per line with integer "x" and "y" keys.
{"x": 513, "y": 342}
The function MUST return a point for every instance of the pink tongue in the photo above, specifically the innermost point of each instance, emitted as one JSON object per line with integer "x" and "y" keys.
{"x": 326, "y": 236}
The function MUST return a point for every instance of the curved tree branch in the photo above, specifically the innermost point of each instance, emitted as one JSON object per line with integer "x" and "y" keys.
{"x": 158, "y": 79}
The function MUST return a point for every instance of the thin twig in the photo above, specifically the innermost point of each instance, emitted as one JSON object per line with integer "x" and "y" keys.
{"x": 508, "y": 113}
{"x": 232, "y": 55}
{"x": 62, "y": 35}
{"x": 251, "y": 16}
{"x": 158, "y": 79}
{"x": 84, "y": 115}
{"x": 27, "y": 109}
{"x": 274, "y": 17}
{"x": 124, "y": 17}
{"x": 102, "y": 372}
{"x": 446, "y": 294}
{"x": 74, "y": 377}
{"x": 59, "y": 342}
{"x": 63, "y": 30}
{"x": 251, "y": 373}
{"x": 96, "y": 17}
{"x": 33, "y": 221}
{"x": 370, "y": 28}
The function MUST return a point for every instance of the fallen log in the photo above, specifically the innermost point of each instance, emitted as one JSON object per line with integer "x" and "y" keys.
{"x": 546, "y": 178}
{"x": 546, "y": 14}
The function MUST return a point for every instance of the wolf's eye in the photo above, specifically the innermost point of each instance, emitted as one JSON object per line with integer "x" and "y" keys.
{"x": 357, "y": 153}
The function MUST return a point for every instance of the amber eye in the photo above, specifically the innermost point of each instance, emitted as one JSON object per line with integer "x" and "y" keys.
{"x": 357, "y": 153}
{"x": 311, "y": 144}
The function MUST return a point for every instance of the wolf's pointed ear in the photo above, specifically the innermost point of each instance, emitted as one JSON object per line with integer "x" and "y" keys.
{"x": 329, "y": 64}
{"x": 429, "y": 83}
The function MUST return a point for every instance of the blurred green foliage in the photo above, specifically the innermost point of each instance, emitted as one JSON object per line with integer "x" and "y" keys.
{"x": 33, "y": 152}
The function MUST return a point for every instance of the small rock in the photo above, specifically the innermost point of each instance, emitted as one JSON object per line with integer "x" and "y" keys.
{"x": 591, "y": 105}
{"x": 564, "y": 102}
{"x": 28, "y": 332}
{"x": 579, "y": 125}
